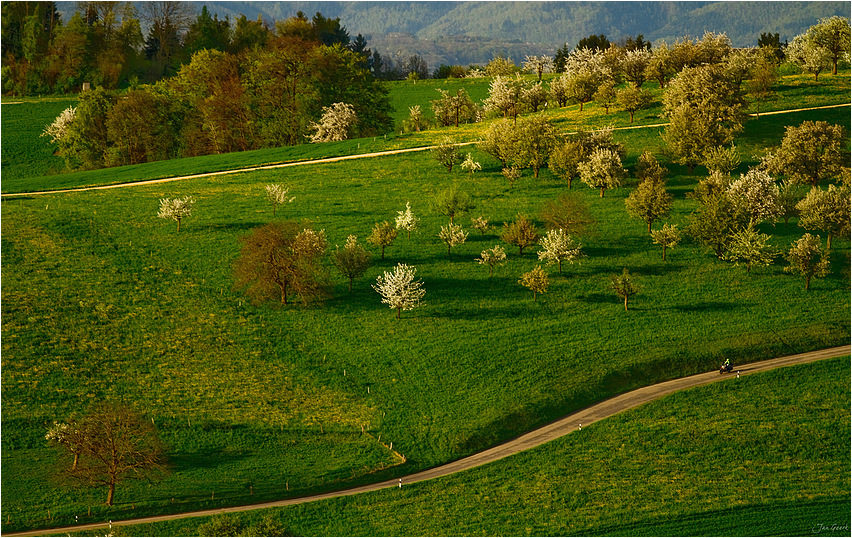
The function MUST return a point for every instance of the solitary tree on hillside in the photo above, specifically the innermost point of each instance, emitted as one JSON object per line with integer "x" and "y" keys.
{"x": 667, "y": 237}
{"x": 451, "y": 202}
{"x": 624, "y": 286}
{"x": 454, "y": 109}
{"x": 405, "y": 220}
{"x": 111, "y": 444}
{"x": 492, "y": 257}
{"x": 452, "y": 235}
{"x": 446, "y": 153}
{"x": 399, "y": 289}
{"x": 278, "y": 195}
{"x": 176, "y": 208}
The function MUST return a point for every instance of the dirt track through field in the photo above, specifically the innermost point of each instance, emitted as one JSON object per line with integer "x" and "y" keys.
{"x": 549, "y": 432}
{"x": 333, "y": 160}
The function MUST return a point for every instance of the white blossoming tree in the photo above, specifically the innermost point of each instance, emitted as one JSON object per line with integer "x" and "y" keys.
{"x": 335, "y": 123}
{"x": 405, "y": 220}
{"x": 481, "y": 223}
{"x": 452, "y": 235}
{"x": 56, "y": 130}
{"x": 278, "y": 195}
{"x": 603, "y": 170}
{"x": 470, "y": 166}
{"x": 176, "y": 208}
{"x": 492, "y": 257}
{"x": 558, "y": 247}
{"x": 399, "y": 289}
{"x": 415, "y": 117}
{"x": 538, "y": 65}
{"x": 757, "y": 190}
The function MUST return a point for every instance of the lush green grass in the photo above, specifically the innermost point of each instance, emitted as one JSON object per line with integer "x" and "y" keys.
{"x": 763, "y": 455}
{"x": 25, "y": 152}
{"x": 101, "y": 299}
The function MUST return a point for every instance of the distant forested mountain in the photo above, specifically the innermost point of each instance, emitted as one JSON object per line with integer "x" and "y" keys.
{"x": 473, "y": 32}
{"x": 433, "y": 29}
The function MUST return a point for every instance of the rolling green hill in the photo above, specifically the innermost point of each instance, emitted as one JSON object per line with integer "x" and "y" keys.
{"x": 103, "y": 300}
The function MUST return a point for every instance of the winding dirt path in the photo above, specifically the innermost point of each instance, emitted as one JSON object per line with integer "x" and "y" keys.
{"x": 544, "y": 434}
{"x": 332, "y": 160}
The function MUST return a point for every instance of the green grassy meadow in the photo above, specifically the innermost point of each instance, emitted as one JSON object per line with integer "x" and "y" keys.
{"x": 763, "y": 455}
{"x": 103, "y": 300}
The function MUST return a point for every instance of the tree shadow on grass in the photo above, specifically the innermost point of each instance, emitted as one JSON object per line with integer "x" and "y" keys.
{"x": 205, "y": 459}
{"x": 234, "y": 226}
{"x": 710, "y": 306}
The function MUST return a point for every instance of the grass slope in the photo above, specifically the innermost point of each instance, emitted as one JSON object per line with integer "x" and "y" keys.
{"x": 764, "y": 455}
{"x": 100, "y": 299}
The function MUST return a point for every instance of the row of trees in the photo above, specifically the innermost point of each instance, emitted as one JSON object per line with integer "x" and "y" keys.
{"x": 219, "y": 102}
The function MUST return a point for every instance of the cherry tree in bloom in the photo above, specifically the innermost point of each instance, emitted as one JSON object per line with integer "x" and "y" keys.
{"x": 492, "y": 257}
{"x": 452, "y": 235}
{"x": 335, "y": 123}
{"x": 176, "y": 209}
{"x": 399, "y": 289}
{"x": 558, "y": 247}
{"x": 56, "y": 130}
{"x": 405, "y": 220}
{"x": 758, "y": 191}
{"x": 278, "y": 195}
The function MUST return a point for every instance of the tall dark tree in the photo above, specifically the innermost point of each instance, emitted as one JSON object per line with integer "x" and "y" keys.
{"x": 594, "y": 42}
{"x": 207, "y": 32}
{"x": 561, "y": 58}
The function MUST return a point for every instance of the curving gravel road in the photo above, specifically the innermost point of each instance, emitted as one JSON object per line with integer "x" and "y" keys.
{"x": 544, "y": 434}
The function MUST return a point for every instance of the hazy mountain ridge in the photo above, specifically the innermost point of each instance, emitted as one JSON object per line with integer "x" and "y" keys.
{"x": 555, "y": 23}
{"x": 462, "y": 33}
